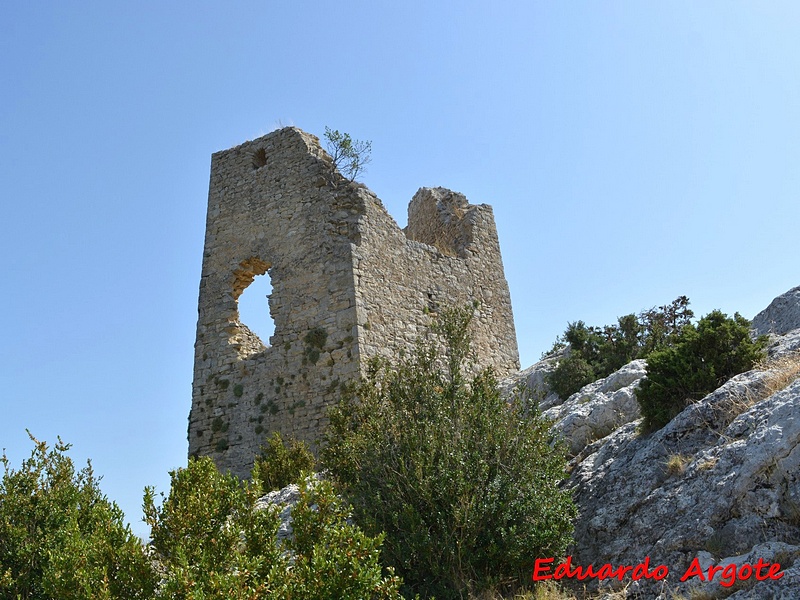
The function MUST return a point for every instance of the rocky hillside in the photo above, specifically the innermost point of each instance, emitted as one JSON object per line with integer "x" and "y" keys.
{"x": 720, "y": 483}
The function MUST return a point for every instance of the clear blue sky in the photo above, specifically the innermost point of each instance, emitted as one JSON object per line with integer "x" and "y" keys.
{"x": 633, "y": 152}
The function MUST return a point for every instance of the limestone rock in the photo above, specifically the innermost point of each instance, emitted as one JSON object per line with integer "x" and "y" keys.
{"x": 772, "y": 552}
{"x": 781, "y": 316}
{"x": 534, "y": 380}
{"x": 720, "y": 481}
{"x": 284, "y": 499}
{"x": 598, "y": 408}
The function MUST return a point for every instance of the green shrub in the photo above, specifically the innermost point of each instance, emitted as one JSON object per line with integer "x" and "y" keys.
{"x": 281, "y": 464}
{"x": 212, "y": 543}
{"x": 60, "y": 537}
{"x": 463, "y": 482}
{"x": 596, "y": 352}
{"x": 209, "y": 541}
{"x": 332, "y": 558}
{"x": 701, "y": 359}
{"x": 572, "y": 373}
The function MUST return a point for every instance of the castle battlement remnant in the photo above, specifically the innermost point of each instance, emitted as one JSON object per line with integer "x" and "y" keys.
{"x": 347, "y": 284}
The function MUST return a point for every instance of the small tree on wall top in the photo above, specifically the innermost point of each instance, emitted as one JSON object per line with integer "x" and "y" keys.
{"x": 349, "y": 156}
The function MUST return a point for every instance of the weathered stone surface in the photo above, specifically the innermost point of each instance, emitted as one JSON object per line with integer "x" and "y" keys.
{"x": 781, "y": 316}
{"x": 534, "y": 381}
{"x": 285, "y": 499}
{"x": 598, "y": 408}
{"x": 750, "y": 589}
{"x": 785, "y": 345}
{"x": 720, "y": 481}
{"x": 347, "y": 284}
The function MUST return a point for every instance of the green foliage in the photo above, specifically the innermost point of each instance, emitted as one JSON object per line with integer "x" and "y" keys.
{"x": 463, "y": 482}
{"x": 316, "y": 338}
{"x": 209, "y": 541}
{"x": 572, "y": 373}
{"x": 281, "y": 464}
{"x": 332, "y": 558}
{"x": 349, "y": 156}
{"x": 315, "y": 341}
{"x": 596, "y": 352}
{"x": 60, "y": 537}
{"x": 700, "y": 359}
{"x": 212, "y": 543}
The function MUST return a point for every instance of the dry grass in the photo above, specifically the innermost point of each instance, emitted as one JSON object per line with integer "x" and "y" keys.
{"x": 550, "y": 590}
{"x": 677, "y": 463}
{"x": 780, "y": 373}
{"x": 707, "y": 464}
{"x": 783, "y": 371}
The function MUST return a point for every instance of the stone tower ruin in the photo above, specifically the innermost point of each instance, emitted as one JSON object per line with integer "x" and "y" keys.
{"x": 347, "y": 284}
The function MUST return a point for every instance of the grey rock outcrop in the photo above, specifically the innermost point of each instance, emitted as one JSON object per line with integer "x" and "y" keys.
{"x": 720, "y": 482}
{"x": 588, "y": 415}
{"x": 781, "y": 316}
{"x": 285, "y": 500}
{"x": 598, "y": 408}
{"x": 534, "y": 381}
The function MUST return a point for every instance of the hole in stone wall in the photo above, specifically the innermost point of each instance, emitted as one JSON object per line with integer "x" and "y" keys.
{"x": 254, "y": 308}
{"x": 259, "y": 158}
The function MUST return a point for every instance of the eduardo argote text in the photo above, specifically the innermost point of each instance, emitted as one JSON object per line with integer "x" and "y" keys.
{"x": 728, "y": 574}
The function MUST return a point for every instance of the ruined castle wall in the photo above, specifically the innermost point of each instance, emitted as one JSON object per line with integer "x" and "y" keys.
{"x": 448, "y": 255}
{"x": 269, "y": 209}
{"x": 347, "y": 283}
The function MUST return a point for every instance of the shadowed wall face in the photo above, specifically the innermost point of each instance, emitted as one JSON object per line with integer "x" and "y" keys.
{"x": 347, "y": 284}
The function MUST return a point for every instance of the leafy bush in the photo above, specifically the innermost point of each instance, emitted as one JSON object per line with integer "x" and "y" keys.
{"x": 596, "y": 352}
{"x": 701, "y": 359}
{"x": 279, "y": 465}
{"x": 213, "y": 543}
{"x": 572, "y": 373}
{"x": 463, "y": 481}
{"x": 60, "y": 537}
{"x": 332, "y": 559}
{"x": 209, "y": 541}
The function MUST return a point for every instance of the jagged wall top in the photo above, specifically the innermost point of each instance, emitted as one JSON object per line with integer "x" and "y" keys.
{"x": 347, "y": 283}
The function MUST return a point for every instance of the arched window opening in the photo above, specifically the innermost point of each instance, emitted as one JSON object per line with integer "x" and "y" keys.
{"x": 254, "y": 308}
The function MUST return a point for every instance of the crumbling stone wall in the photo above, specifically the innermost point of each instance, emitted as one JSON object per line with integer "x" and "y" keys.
{"x": 347, "y": 284}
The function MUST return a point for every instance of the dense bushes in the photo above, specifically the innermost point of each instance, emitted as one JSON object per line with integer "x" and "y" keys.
{"x": 60, "y": 537}
{"x": 684, "y": 361}
{"x": 281, "y": 464}
{"x": 596, "y": 352}
{"x": 210, "y": 542}
{"x": 464, "y": 483}
{"x": 700, "y": 359}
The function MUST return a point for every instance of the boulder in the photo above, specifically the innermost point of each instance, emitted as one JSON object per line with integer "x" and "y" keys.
{"x": 781, "y": 316}
{"x": 534, "y": 381}
{"x": 598, "y": 408}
